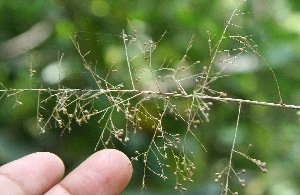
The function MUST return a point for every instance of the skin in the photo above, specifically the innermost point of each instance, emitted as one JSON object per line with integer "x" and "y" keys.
{"x": 105, "y": 172}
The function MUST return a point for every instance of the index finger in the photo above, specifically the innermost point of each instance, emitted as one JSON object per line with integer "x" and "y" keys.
{"x": 105, "y": 172}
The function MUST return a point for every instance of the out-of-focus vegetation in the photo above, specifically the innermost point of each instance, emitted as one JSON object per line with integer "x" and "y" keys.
{"x": 273, "y": 132}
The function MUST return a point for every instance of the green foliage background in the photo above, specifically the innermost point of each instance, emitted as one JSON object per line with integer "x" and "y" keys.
{"x": 273, "y": 132}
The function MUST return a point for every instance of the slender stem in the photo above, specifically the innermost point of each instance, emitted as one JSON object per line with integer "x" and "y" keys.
{"x": 127, "y": 58}
{"x": 232, "y": 149}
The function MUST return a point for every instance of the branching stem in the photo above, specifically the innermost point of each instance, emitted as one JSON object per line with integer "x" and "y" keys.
{"x": 203, "y": 97}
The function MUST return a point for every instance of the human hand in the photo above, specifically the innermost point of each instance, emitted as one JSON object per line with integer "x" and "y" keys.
{"x": 105, "y": 172}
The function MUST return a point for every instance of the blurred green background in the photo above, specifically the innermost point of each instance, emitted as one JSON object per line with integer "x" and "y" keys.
{"x": 273, "y": 132}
